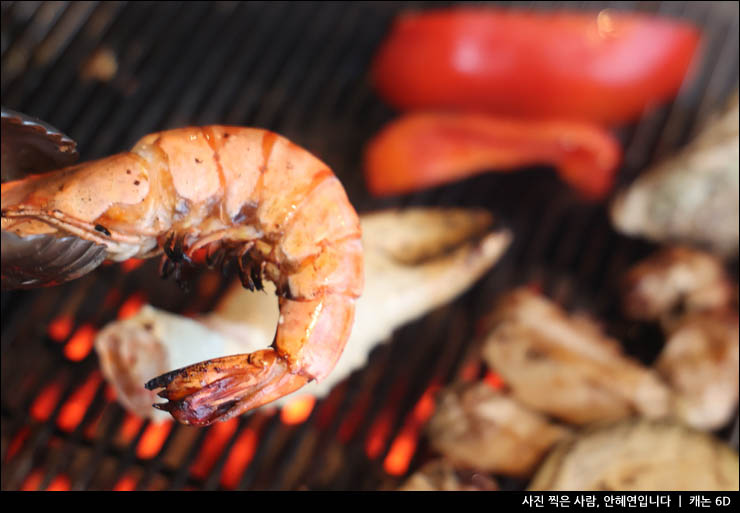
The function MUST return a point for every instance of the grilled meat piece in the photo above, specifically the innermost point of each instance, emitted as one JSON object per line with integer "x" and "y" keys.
{"x": 476, "y": 426}
{"x": 565, "y": 366}
{"x": 639, "y": 455}
{"x": 692, "y": 296}
{"x": 700, "y": 362}
{"x": 692, "y": 197}
{"x": 442, "y": 476}
{"x": 675, "y": 280}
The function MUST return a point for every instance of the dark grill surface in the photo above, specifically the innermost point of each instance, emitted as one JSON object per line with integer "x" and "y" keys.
{"x": 301, "y": 70}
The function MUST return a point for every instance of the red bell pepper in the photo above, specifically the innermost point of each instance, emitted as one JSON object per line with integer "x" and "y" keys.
{"x": 604, "y": 67}
{"x": 425, "y": 149}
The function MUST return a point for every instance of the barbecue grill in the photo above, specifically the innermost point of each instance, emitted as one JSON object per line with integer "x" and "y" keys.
{"x": 300, "y": 69}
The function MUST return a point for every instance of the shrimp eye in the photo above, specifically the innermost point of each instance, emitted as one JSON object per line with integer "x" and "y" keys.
{"x": 103, "y": 229}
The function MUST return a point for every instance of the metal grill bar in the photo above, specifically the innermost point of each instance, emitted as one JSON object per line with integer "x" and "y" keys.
{"x": 226, "y": 48}
{"x": 64, "y": 32}
{"x": 157, "y": 463}
{"x": 62, "y": 460}
{"x": 266, "y": 436}
{"x": 134, "y": 26}
{"x": 217, "y": 104}
{"x": 350, "y": 397}
{"x": 66, "y": 71}
{"x": 101, "y": 448}
{"x": 39, "y": 438}
{"x": 166, "y": 57}
{"x": 212, "y": 482}
{"x": 190, "y": 52}
{"x": 62, "y": 103}
{"x": 17, "y": 57}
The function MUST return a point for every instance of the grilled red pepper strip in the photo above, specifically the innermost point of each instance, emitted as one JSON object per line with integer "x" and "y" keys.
{"x": 603, "y": 67}
{"x": 425, "y": 149}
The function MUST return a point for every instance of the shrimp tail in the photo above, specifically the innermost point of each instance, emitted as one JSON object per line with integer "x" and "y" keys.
{"x": 234, "y": 384}
{"x": 308, "y": 343}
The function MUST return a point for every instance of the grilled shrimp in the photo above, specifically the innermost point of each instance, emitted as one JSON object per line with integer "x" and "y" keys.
{"x": 236, "y": 193}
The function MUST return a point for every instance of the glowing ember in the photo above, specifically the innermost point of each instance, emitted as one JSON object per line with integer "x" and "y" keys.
{"x": 213, "y": 445}
{"x": 110, "y": 393}
{"x": 381, "y": 428}
{"x": 111, "y": 299}
{"x": 32, "y": 482}
{"x": 493, "y": 380}
{"x": 404, "y": 445}
{"x": 91, "y": 430}
{"x": 349, "y": 425}
{"x": 74, "y": 409}
{"x": 239, "y": 457}
{"x": 402, "y": 450}
{"x": 129, "y": 428}
{"x": 125, "y": 484}
{"x": 132, "y": 305}
{"x": 60, "y": 328}
{"x": 378, "y": 434}
{"x": 81, "y": 343}
{"x": 153, "y": 439}
{"x": 16, "y": 444}
{"x": 59, "y": 484}
{"x": 297, "y": 410}
{"x": 132, "y": 263}
{"x": 425, "y": 406}
{"x": 470, "y": 371}
{"x": 46, "y": 401}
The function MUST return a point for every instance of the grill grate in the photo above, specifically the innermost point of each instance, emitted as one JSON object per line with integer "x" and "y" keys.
{"x": 299, "y": 69}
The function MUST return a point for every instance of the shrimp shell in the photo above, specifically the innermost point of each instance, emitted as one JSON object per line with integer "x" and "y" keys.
{"x": 241, "y": 194}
